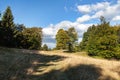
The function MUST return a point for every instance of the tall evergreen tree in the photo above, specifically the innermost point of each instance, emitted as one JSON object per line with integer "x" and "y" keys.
{"x": 7, "y": 28}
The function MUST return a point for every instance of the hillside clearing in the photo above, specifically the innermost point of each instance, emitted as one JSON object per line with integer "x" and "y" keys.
{"x": 21, "y": 64}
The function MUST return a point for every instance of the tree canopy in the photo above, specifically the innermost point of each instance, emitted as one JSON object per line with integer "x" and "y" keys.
{"x": 65, "y": 39}
{"x": 61, "y": 39}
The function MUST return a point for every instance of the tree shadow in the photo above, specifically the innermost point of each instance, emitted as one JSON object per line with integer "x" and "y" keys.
{"x": 17, "y": 65}
{"x": 79, "y": 72}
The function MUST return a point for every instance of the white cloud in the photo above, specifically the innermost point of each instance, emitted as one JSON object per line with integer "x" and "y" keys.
{"x": 98, "y": 14}
{"x": 48, "y": 31}
{"x": 106, "y": 9}
{"x": 116, "y": 18}
{"x": 92, "y": 8}
{"x": 99, "y": 6}
{"x": 108, "y": 12}
{"x": 84, "y": 8}
{"x": 83, "y": 18}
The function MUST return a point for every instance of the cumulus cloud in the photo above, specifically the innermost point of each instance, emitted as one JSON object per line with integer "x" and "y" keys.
{"x": 99, "y": 6}
{"x": 108, "y": 12}
{"x": 83, "y": 18}
{"x": 92, "y": 8}
{"x": 84, "y": 8}
{"x": 105, "y": 9}
{"x": 116, "y": 18}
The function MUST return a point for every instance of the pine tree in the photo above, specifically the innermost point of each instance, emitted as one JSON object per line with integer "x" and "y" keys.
{"x": 7, "y": 28}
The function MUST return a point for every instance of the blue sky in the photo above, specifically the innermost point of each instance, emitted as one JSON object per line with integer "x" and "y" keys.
{"x": 44, "y": 12}
{"x": 41, "y": 12}
{"x": 52, "y": 15}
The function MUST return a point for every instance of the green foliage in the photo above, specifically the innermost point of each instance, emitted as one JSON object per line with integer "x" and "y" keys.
{"x": 67, "y": 39}
{"x": 102, "y": 40}
{"x": 28, "y": 38}
{"x": 32, "y": 38}
{"x": 72, "y": 34}
{"x": 7, "y": 18}
{"x": 7, "y": 29}
{"x": 73, "y": 38}
{"x": 45, "y": 47}
{"x": 19, "y": 37}
{"x": 61, "y": 39}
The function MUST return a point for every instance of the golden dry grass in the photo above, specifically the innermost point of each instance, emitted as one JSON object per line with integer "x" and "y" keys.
{"x": 109, "y": 69}
{"x": 20, "y": 64}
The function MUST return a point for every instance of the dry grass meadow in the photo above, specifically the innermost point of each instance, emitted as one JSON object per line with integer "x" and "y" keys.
{"x": 20, "y": 64}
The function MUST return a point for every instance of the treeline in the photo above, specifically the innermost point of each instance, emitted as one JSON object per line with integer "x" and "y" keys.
{"x": 17, "y": 35}
{"x": 102, "y": 40}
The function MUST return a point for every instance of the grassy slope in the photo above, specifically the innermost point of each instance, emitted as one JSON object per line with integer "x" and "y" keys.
{"x": 20, "y": 64}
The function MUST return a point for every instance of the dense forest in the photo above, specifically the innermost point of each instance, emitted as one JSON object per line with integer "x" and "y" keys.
{"x": 101, "y": 40}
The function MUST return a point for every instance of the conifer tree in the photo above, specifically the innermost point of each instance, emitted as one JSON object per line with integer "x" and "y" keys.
{"x": 7, "y": 28}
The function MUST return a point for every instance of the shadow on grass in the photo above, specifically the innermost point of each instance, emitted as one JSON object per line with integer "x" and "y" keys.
{"x": 80, "y": 72}
{"x": 15, "y": 65}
